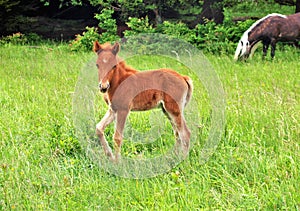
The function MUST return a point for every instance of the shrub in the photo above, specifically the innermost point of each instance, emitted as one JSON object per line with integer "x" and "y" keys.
{"x": 177, "y": 30}
{"x": 21, "y": 39}
{"x": 86, "y": 40}
{"x": 108, "y": 33}
{"x": 107, "y": 25}
{"x": 209, "y": 37}
{"x": 138, "y": 25}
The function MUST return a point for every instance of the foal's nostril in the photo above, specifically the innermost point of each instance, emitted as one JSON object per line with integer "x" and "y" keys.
{"x": 102, "y": 88}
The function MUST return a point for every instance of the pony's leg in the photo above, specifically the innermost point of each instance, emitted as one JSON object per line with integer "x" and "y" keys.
{"x": 118, "y": 136}
{"x": 265, "y": 48}
{"x": 106, "y": 120}
{"x": 273, "y": 48}
{"x": 296, "y": 44}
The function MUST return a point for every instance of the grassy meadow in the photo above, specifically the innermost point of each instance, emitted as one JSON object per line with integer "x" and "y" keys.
{"x": 256, "y": 165}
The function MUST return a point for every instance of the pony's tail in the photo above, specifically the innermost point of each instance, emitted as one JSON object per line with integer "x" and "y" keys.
{"x": 189, "y": 82}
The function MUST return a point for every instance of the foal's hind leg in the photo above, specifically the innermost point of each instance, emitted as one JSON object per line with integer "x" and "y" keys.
{"x": 179, "y": 125}
{"x": 106, "y": 120}
{"x": 173, "y": 125}
{"x": 184, "y": 133}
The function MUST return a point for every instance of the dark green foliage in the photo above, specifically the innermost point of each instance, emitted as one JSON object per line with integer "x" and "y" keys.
{"x": 109, "y": 32}
{"x": 108, "y": 24}
{"x": 219, "y": 38}
{"x": 177, "y": 30}
{"x": 209, "y": 37}
{"x": 139, "y": 25}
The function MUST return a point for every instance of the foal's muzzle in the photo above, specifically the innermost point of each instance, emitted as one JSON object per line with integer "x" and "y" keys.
{"x": 104, "y": 87}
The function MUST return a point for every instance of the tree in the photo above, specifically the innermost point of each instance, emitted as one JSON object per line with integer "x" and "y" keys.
{"x": 290, "y": 3}
{"x": 156, "y": 10}
{"x": 297, "y": 6}
{"x": 211, "y": 10}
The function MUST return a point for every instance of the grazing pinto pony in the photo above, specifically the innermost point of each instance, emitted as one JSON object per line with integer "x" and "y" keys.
{"x": 126, "y": 89}
{"x": 269, "y": 30}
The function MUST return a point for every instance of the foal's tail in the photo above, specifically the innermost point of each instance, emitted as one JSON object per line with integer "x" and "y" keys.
{"x": 189, "y": 82}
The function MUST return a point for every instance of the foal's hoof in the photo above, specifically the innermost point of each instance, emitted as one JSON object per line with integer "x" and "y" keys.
{"x": 114, "y": 158}
{"x": 181, "y": 151}
{"x": 109, "y": 154}
{"x": 117, "y": 159}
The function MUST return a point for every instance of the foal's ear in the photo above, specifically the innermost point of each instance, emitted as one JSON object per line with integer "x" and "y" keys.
{"x": 96, "y": 47}
{"x": 116, "y": 48}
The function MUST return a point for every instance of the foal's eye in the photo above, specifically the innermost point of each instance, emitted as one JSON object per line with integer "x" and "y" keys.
{"x": 97, "y": 65}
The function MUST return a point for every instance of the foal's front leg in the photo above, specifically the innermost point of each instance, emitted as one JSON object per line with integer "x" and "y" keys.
{"x": 118, "y": 136}
{"x": 105, "y": 121}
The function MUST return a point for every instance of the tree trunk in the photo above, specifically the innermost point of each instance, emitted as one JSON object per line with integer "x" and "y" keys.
{"x": 285, "y": 2}
{"x": 297, "y": 6}
{"x": 212, "y": 10}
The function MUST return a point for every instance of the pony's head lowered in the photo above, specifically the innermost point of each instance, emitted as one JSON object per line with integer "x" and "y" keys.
{"x": 106, "y": 62}
{"x": 243, "y": 48}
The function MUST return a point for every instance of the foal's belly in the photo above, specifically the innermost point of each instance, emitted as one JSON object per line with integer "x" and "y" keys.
{"x": 146, "y": 100}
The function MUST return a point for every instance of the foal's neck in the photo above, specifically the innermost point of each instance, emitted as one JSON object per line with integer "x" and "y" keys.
{"x": 124, "y": 69}
{"x": 120, "y": 72}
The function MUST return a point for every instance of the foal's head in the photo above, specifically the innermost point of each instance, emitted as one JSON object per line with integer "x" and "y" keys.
{"x": 106, "y": 61}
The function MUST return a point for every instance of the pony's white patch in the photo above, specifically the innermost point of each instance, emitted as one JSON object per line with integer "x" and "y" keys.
{"x": 105, "y": 61}
{"x": 244, "y": 42}
{"x": 253, "y": 49}
{"x": 238, "y": 50}
{"x": 161, "y": 102}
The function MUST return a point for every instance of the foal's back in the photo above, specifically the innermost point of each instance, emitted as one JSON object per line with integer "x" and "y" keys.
{"x": 145, "y": 90}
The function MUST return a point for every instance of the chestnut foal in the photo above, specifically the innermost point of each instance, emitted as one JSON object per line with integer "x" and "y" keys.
{"x": 126, "y": 89}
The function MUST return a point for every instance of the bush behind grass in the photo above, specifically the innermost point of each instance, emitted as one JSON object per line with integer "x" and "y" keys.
{"x": 43, "y": 167}
{"x": 210, "y": 37}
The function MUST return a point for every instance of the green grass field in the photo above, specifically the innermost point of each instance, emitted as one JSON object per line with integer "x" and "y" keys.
{"x": 43, "y": 166}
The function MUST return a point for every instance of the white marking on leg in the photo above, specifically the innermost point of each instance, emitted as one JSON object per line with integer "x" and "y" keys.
{"x": 100, "y": 127}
